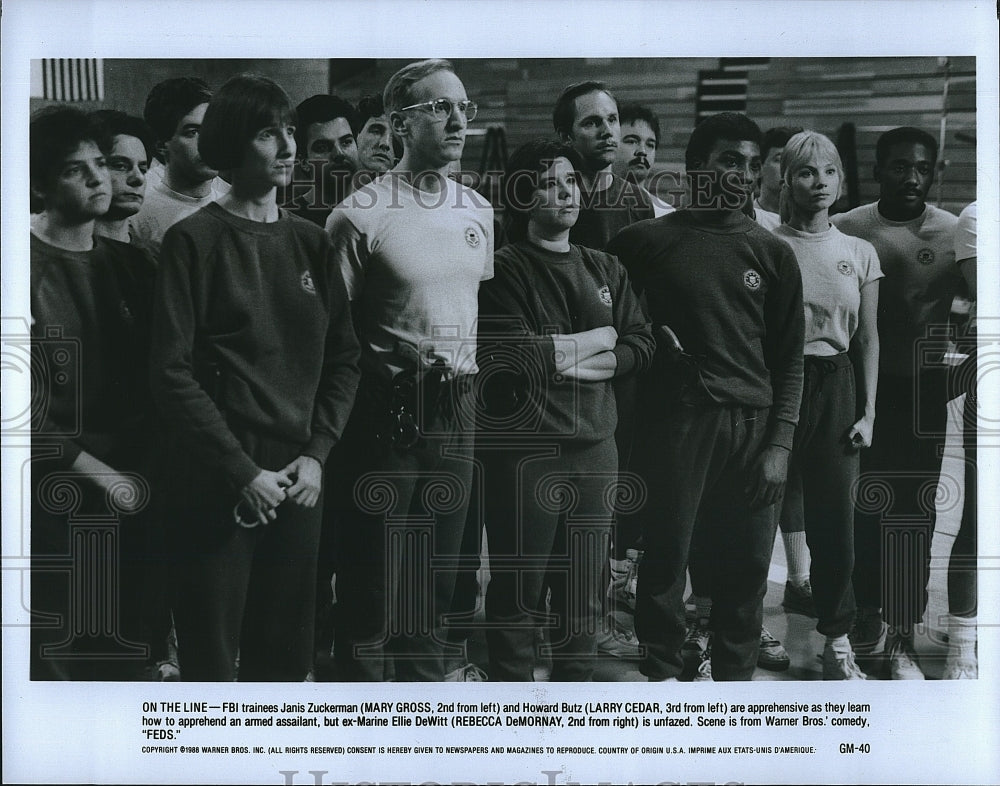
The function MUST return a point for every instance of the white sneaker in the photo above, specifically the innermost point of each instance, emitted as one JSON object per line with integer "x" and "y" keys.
{"x": 624, "y": 579}
{"x": 618, "y": 642}
{"x": 468, "y": 673}
{"x": 704, "y": 673}
{"x": 840, "y": 665}
{"x": 903, "y": 660}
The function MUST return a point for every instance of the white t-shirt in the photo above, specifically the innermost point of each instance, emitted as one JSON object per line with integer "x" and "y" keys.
{"x": 660, "y": 208}
{"x": 921, "y": 279}
{"x": 835, "y": 268}
{"x": 965, "y": 233}
{"x": 412, "y": 262}
{"x": 770, "y": 221}
{"x": 163, "y": 207}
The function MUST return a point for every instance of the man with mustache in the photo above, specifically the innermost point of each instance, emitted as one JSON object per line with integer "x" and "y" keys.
{"x": 915, "y": 244}
{"x": 327, "y": 157}
{"x": 637, "y": 151}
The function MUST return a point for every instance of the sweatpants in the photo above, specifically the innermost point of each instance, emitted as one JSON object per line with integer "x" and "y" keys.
{"x": 238, "y": 591}
{"x": 822, "y": 473}
{"x": 90, "y": 594}
{"x": 400, "y": 516}
{"x": 548, "y": 521}
{"x": 962, "y": 576}
{"x": 895, "y": 508}
{"x": 697, "y": 462}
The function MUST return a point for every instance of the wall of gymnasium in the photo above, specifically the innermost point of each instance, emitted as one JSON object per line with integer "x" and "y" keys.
{"x": 516, "y": 95}
{"x": 873, "y": 94}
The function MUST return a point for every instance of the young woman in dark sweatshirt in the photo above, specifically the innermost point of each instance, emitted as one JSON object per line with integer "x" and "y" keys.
{"x": 254, "y": 371}
{"x": 557, "y": 323}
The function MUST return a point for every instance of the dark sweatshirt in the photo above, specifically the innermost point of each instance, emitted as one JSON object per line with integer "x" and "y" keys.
{"x": 603, "y": 214}
{"x": 733, "y": 296}
{"x": 90, "y": 314}
{"x": 252, "y": 319}
{"x": 535, "y": 293}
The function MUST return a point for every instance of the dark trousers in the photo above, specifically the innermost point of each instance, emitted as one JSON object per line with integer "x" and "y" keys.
{"x": 895, "y": 508}
{"x": 92, "y": 593}
{"x": 822, "y": 474}
{"x": 460, "y": 623}
{"x": 697, "y": 462}
{"x": 962, "y": 590}
{"x": 400, "y": 515}
{"x": 242, "y": 592}
{"x": 548, "y": 521}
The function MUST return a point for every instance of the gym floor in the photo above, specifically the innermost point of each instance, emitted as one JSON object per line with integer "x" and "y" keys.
{"x": 798, "y": 633}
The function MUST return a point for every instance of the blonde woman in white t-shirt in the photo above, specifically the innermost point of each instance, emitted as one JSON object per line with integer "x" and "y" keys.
{"x": 840, "y": 293}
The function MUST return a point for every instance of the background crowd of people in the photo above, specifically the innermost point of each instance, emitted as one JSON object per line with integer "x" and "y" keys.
{"x": 316, "y": 367}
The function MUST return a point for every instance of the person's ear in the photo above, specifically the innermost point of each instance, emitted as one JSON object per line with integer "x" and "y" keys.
{"x": 565, "y": 137}
{"x": 37, "y": 192}
{"x": 161, "y": 151}
{"x": 397, "y": 121}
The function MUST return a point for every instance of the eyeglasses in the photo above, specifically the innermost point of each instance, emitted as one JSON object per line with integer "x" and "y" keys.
{"x": 442, "y": 108}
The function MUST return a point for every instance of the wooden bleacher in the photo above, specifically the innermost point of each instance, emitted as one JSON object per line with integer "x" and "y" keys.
{"x": 874, "y": 94}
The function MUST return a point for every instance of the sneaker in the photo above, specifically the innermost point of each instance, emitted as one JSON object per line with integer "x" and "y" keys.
{"x": 167, "y": 671}
{"x": 869, "y": 632}
{"x": 696, "y": 644}
{"x": 704, "y": 673}
{"x": 771, "y": 655}
{"x": 903, "y": 660}
{"x": 956, "y": 668}
{"x": 470, "y": 672}
{"x": 798, "y": 599}
{"x": 618, "y": 642}
{"x": 840, "y": 665}
{"x": 624, "y": 579}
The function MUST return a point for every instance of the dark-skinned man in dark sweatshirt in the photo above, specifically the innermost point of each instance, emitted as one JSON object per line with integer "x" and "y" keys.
{"x": 720, "y": 407}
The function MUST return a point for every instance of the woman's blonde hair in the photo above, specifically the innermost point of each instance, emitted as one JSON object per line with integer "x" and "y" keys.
{"x": 802, "y": 149}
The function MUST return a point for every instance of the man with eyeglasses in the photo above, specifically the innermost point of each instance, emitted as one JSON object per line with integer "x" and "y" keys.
{"x": 915, "y": 244}
{"x": 412, "y": 246}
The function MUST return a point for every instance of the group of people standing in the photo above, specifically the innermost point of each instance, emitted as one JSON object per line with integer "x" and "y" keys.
{"x": 334, "y": 361}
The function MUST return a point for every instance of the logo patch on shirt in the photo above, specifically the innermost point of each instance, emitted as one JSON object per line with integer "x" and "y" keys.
{"x": 925, "y": 256}
{"x": 307, "y": 283}
{"x": 605, "y": 293}
{"x": 752, "y": 280}
{"x": 472, "y": 237}
{"x": 845, "y": 267}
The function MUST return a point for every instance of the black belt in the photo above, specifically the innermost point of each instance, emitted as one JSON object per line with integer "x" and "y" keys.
{"x": 827, "y": 364}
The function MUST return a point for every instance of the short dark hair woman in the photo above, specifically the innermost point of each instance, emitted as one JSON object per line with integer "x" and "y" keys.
{"x": 557, "y": 323}
{"x": 254, "y": 371}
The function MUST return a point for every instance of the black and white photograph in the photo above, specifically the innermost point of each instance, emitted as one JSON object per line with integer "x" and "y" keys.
{"x": 631, "y": 363}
